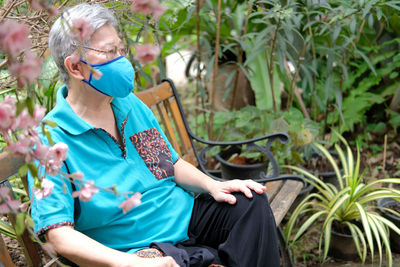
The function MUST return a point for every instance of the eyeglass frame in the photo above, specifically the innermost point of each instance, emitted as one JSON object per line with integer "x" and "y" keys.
{"x": 125, "y": 50}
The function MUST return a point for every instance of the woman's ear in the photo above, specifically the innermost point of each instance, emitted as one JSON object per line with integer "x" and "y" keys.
{"x": 75, "y": 68}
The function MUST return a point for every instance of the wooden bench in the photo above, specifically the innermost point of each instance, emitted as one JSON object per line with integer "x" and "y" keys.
{"x": 163, "y": 99}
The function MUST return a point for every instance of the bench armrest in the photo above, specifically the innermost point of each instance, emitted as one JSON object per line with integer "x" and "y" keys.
{"x": 275, "y": 176}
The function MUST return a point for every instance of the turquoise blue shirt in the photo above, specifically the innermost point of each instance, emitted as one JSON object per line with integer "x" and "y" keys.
{"x": 143, "y": 164}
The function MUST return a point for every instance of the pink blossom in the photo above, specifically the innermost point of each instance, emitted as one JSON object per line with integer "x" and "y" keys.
{"x": 146, "y": 53}
{"x": 97, "y": 74}
{"x": 47, "y": 189}
{"x": 7, "y": 205}
{"x": 21, "y": 147}
{"x": 158, "y": 11}
{"x": 37, "y": 5}
{"x": 87, "y": 192}
{"x": 41, "y": 153}
{"x": 25, "y": 120}
{"x": 7, "y": 114}
{"x": 147, "y": 7}
{"x": 24, "y": 206}
{"x": 81, "y": 29}
{"x": 53, "y": 11}
{"x": 131, "y": 202}
{"x": 77, "y": 175}
{"x": 38, "y": 114}
{"x": 14, "y": 37}
{"x": 59, "y": 151}
{"x": 53, "y": 167}
{"x": 28, "y": 70}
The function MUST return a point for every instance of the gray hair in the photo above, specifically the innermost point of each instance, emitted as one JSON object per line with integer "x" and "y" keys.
{"x": 61, "y": 41}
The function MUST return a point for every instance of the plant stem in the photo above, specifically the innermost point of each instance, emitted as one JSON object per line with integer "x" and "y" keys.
{"x": 215, "y": 71}
{"x": 384, "y": 152}
{"x": 198, "y": 57}
{"x": 293, "y": 87}
{"x": 11, "y": 3}
{"x": 240, "y": 56}
{"x": 271, "y": 65}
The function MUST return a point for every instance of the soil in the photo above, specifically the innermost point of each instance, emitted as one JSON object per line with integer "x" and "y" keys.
{"x": 241, "y": 160}
{"x": 319, "y": 164}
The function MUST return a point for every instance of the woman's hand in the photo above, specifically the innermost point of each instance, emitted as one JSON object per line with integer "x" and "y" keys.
{"x": 222, "y": 191}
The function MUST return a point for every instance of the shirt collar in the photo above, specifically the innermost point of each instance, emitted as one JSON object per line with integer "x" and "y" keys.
{"x": 65, "y": 117}
{"x": 68, "y": 120}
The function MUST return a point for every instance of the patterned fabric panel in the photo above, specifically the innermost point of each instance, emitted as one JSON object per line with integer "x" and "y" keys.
{"x": 154, "y": 152}
{"x": 155, "y": 253}
{"x": 149, "y": 253}
{"x": 53, "y": 226}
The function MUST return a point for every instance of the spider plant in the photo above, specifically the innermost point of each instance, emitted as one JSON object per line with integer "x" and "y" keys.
{"x": 351, "y": 208}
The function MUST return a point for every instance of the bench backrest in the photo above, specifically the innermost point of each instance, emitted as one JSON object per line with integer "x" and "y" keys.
{"x": 162, "y": 99}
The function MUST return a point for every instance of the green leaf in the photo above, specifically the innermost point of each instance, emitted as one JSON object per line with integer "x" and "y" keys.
{"x": 355, "y": 238}
{"x": 331, "y": 161}
{"x": 33, "y": 169}
{"x": 327, "y": 236}
{"x": 20, "y": 223}
{"x": 29, "y": 221}
{"x": 23, "y": 170}
{"x": 260, "y": 81}
{"x": 308, "y": 223}
{"x": 50, "y": 123}
{"x": 30, "y": 105}
{"x": 377, "y": 240}
{"x": 48, "y": 135}
{"x": 335, "y": 207}
{"x": 7, "y": 229}
{"x": 366, "y": 226}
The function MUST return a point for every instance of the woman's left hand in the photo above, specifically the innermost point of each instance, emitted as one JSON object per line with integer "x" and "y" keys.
{"x": 222, "y": 191}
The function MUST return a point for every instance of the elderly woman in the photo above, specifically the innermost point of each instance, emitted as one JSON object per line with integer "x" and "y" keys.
{"x": 110, "y": 133}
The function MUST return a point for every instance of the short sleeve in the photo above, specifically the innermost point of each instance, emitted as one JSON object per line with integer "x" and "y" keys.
{"x": 55, "y": 210}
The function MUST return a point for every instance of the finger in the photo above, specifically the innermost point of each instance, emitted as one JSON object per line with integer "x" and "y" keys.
{"x": 228, "y": 198}
{"x": 244, "y": 188}
{"x": 257, "y": 187}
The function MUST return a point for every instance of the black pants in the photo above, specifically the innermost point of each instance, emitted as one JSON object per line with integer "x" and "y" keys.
{"x": 244, "y": 234}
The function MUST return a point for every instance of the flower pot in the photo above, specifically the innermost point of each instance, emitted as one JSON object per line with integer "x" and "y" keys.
{"x": 326, "y": 176}
{"x": 342, "y": 246}
{"x": 394, "y": 237}
{"x": 232, "y": 171}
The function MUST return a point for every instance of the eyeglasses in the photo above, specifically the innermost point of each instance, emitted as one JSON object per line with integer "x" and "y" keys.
{"x": 110, "y": 53}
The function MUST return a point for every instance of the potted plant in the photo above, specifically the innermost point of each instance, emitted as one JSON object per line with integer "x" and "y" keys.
{"x": 242, "y": 163}
{"x": 349, "y": 210}
{"x": 390, "y": 209}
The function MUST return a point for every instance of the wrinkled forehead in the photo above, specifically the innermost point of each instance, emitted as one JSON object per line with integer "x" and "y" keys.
{"x": 105, "y": 36}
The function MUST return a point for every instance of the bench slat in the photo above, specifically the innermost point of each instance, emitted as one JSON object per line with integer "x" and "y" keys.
{"x": 169, "y": 131}
{"x": 184, "y": 137}
{"x": 9, "y": 165}
{"x": 272, "y": 189}
{"x": 5, "y": 257}
{"x": 284, "y": 199}
{"x": 156, "y": 94}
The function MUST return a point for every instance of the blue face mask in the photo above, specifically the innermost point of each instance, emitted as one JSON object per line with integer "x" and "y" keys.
{"x": 117, "y": 79}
